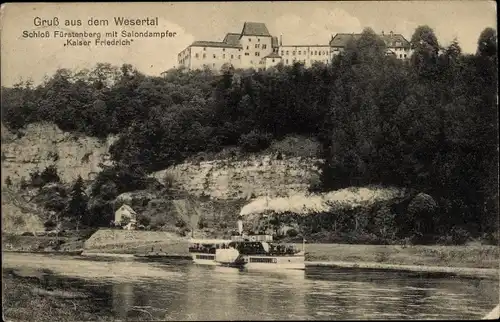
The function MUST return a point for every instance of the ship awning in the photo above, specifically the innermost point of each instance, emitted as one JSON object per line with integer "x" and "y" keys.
{"x": 209, "y": 241}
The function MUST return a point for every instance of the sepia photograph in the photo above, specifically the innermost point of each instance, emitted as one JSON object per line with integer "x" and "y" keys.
{"x": 257, "y": 160}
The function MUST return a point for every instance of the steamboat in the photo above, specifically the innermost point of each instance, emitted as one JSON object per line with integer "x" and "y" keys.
{"x": 247, "y": 251}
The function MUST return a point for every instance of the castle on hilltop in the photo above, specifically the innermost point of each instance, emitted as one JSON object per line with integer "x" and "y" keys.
{"x": 254, "y": 47}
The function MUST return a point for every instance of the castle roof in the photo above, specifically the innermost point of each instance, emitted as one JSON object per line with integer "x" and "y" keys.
{"x": 255, "y": 29}
{"x": 219, "y": 44}
{"x": 273, "y": 55}
{"x": 341, "y": 40}
{"x": 232, "y": 39}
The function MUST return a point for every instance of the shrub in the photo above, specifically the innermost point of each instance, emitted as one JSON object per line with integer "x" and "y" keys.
{"x": 50, "y": 175}
{"x": 459, "y": 235}
{"x": 292, "y": 233}
{"x": 158, "y": 221}
{"x": 254, "y": 141}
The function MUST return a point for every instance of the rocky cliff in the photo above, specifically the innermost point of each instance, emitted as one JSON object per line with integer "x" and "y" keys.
{"x": 41, "y": 145}
{"x": 244, "y": 179}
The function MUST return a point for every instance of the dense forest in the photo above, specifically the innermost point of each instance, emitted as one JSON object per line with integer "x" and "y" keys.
{"x": 429, "y": 123}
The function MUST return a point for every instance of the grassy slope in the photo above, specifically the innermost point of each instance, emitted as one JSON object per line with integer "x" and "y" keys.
{"x": 28, "y": 298}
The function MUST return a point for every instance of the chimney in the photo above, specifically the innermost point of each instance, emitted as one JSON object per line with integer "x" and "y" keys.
{"x": 240, "y": 225}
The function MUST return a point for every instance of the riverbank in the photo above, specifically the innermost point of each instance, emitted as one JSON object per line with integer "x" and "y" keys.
{"x": 29, "y": 296}
{"x": 140, "y": 242}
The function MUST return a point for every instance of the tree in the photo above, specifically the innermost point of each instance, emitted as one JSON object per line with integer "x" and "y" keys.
{"x": 76, "y": 208}
{"x": 487, "y": 43}
{"x": 8, "y": 181}
{"x": 425, "y": 51}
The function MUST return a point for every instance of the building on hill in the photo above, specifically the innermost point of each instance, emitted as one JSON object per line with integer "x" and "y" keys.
{"x": 396, "y": 44}
{"x": 123, "y": 213}
{"x": 254, "y": 47}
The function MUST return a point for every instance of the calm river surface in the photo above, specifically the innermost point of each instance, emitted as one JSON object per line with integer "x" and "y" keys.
{"x": 191, "y": 292}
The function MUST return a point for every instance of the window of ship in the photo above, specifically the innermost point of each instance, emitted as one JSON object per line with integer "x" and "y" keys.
{"x": 207, "y": 257}
{"x": 261, "y": 260}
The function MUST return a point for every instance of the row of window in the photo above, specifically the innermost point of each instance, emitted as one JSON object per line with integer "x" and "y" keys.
{"x": 215, "y": 56}
{"x": 206, "y": 257}
{"x": 316, "y": 52}
{"x": 223, "y": 49}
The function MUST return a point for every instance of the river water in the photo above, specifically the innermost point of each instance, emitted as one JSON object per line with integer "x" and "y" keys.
{"x": 185, "y": 291}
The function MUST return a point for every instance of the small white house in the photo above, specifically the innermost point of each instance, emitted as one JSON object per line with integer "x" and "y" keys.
{"x": 125, "y": 211}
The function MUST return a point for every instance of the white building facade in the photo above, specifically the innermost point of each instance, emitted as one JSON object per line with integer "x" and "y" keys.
{"x": 254, "y": 47}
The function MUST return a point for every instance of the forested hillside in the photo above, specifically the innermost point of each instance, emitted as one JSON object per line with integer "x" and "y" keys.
{"x": 429, "y": 124}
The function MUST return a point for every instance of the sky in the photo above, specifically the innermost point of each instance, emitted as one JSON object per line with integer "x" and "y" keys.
{"x": 299, "y": 22}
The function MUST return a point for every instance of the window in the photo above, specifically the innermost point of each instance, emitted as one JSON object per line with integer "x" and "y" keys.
{"x": 287, "y": 52}
{"x": 213, "y": 65}
{"x": 204, "y": 56}
{"x": 232, "y": 56}
{"x": 246, "y": 54}
{"x": 207, "y": 257}
{"x": 257, "y": 54}
{"x": 261, "y": 260}
{"x": 204, "y": 48}
{"x": 287, "y": 61}
{"x": 400, "y": 56}
{"x": 239, "y": 56}
{"x": 250, "y": 39}
{"x": 273, "y": 60}
{"x": 264, "y": 46}
{"x": 215, "y": 56}
{"x": 315, "y": 52}
{"x": 405, "y": 55}
{"x": 300, "y": 52}
{"x": 256, "y": 45}
{"x": 293, "y": 52}
{"x": 247, "y": 47}
{"x": 251, "y": 62}
{"x": 258, "y": 39}
{"x": 282, "y": 52}
{"x": 197, "y": 55}
{"x": 223, "y": 56}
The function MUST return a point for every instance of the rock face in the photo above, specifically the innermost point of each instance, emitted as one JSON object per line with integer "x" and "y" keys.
{"x": 257, "y": 176}
{"x": 45, "y": 144}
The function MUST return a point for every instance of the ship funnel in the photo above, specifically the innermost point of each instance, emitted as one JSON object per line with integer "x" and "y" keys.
{"x": 240, "y": 226}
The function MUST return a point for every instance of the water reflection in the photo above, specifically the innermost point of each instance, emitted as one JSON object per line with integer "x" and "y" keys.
{"x": 138, "y": 291}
